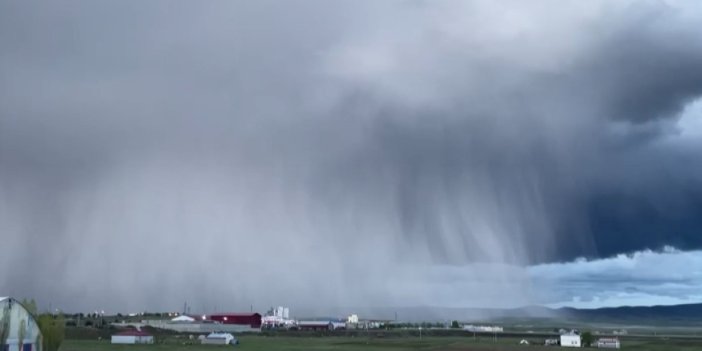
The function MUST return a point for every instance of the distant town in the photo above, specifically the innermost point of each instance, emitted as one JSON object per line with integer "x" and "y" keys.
{"x": 23, "y": 328}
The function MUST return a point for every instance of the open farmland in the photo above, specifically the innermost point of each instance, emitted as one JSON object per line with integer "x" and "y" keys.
{"x": 260, "y": 343}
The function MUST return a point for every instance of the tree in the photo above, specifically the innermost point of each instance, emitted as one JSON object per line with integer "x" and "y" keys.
{"x": 53, "y": 330}
{"x": 455, "y": 325}
{"x": 31, "y": 306}
{"x": 587, "y": 339}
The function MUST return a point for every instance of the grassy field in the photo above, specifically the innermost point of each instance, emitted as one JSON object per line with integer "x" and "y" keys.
{"x": 260, "y": 343}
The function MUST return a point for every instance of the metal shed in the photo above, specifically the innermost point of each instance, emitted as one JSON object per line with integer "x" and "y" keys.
{"x": 19, "y": 330}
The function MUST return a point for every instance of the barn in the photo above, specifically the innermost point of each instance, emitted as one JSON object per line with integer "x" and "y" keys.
{"x": 133, "y": 337}
{"x": 251, "y": 319}
{"x": 19, "y": 330}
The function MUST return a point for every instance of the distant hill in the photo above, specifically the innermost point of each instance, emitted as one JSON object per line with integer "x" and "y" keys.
{"x": 685, "y": 314}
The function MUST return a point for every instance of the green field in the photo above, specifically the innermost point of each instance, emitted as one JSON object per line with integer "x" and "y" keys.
{"x": 260, "y": 343}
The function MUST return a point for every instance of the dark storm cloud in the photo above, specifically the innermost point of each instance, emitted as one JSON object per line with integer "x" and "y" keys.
{"x": 648, "y": 69}
{"x": 253, "y": 142}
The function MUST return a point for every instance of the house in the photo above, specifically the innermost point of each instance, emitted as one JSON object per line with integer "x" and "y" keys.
{"x": 570, "y": 340}
{"x": 608, "y": 343}
{"x": 18, "y": 327}
{"x": 133, "y": 336}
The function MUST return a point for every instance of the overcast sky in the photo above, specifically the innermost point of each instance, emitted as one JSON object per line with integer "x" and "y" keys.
{"x": 320, "y": 154}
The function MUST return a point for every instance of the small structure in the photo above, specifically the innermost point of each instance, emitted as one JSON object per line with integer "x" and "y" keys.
{"x": 133, "y": 337}
{"x": 352, "y": 319}
{"x": 570, "y": 340}
{"x": 523, "y": 342}
{"x": 608, "y": 343}
{"x": 219, "y": 338}
{"x": 18, "y": 328}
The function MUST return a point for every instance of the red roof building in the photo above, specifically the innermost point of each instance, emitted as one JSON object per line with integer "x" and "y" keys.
{"x": 251, "y": 319}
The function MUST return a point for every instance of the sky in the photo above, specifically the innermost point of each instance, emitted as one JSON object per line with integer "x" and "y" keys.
{"x": 320, "y": 154}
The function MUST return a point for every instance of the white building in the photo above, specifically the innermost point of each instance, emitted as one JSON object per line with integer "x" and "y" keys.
{"x": 133, "y": 337}
{"x": 19, "y": 330}
{"x": 280, "y": 312}
{"x": 277, "y": 317}
{"x": 570, "y": 340}
{"x": 219, "y": 339}
{"x": 352, "y": 319}
{"x": 608, "y": 343}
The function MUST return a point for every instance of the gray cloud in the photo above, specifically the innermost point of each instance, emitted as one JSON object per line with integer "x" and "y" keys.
{"x": 218, "y": 151}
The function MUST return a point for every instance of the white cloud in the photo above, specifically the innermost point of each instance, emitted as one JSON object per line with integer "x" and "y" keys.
{"x": 690, "y": 123}
{"x": 664, "y": 277}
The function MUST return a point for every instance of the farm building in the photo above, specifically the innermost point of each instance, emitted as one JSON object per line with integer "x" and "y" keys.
{"x": 19, "y": 330}
{"x": 570, "y": 340}
{"x": 251, "y": 319}
{"x": 608, "y": 343}
{"x": 133, "y": 337}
